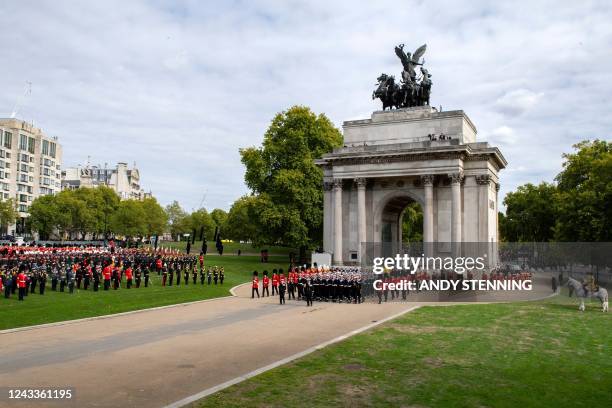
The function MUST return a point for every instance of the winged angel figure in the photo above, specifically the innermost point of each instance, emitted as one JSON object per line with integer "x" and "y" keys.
{"x": 410, "y": 61}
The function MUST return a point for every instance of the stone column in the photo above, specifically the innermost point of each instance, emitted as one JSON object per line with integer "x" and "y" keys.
{"x": 337, "y": 222}
{"x": 483, "y": 181}
{"x": 428, "y": 232}
{"x": 361, "y": 213}
{"x": 456, "y": 206}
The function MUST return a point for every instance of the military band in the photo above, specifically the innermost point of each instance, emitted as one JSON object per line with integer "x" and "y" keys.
{"x": 26, "y": 269}
{"x": 322, "y": 284}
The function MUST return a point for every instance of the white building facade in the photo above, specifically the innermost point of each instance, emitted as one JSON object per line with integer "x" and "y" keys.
{"x": 123, "y": 180}
{"x": 30, "y": 166}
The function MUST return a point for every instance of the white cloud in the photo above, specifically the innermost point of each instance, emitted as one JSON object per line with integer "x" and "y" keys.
{"x": 518, "y": 101}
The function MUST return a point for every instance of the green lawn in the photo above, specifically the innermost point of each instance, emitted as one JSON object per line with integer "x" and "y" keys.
{"x": 56, "y": 306}
{"x": 536, "y": 354}
{"x": 231, "y": 248}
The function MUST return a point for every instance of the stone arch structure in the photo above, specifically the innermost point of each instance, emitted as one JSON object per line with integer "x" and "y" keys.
{"x": 415, "y": 154}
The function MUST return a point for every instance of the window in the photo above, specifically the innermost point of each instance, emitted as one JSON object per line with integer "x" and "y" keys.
{"x": 23, "y": 142}
{"x": 52, "y": 149}
{"x": 31, "y": 179}
{"x": 24, "y": 157}
{"x": 45, "y": 147}
{"x": 23, "y": 208}
{"x": 8, "y": 140}
{"x": 23, "y": 198}
{"x": 23, "y": 167}
{"x": 23, "y": 178}
{"x": 31, "y": 145}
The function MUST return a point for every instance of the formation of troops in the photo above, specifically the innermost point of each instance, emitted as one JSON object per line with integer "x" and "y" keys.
{"x": 323, "y": 284}
{"x": 27, "y": 269}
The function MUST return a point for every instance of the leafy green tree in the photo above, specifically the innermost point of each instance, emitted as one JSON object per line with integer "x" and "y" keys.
{"x": 584, "y": 201}
{"x": 76, "y": 215}
{"x": 8, "y": 213}
{"x": 530, "y": 214}
{"x": 201, "y": 218}
{"x": 412, "y": 223}
{"x": 129, "y": 219}
{"x": 218, "y": 216}
{"x": 155, "y": 218}
{"x": 288, "y": 208}
{"x": 45, "y": 216}
{"x": 239, "y": 225}
{"x": 180, "y": 222}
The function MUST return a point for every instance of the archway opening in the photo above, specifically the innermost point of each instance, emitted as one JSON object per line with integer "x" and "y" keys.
{"x": 402, "y": 226}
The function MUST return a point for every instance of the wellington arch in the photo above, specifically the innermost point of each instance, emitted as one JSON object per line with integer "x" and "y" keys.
{"x": 396, "y": 157}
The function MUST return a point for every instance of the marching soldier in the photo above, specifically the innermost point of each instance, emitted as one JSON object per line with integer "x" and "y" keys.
{"x": 209, "y": 275}
{"x": 274, "y": 282}
{"x": 255, "y": 286}
{"x": 266, "y": 283}
{"x": 282, "y": 287}
{"x": 221, "y": 275}
{"x": 215, "y": 275}
{"x": 308, "y": 293}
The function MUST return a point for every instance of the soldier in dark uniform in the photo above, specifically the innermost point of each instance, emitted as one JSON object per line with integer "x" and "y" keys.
{"x": 97, "y": 270}
{"x": 54, "y": 276}
{"x": 282, "y": 287}
{"x": 42, "y": 281}
{"x": 215, "y": 275}
{"x": 138, "y": 274}
{"x": 209, "y": 275}
{"x": 221, "y": 275}
{"x": 33, "y": 279}
{"x": 186, "y": 274}
{"x": 146, "y": 276}
{"x": 62, "y": 277}
{"x": 170, "y": 274}
{"x": 308, "y": 293}
{"x": 178, "y": 272}
{"x": 202, "y": 275}
{"x": 194, "y": 274}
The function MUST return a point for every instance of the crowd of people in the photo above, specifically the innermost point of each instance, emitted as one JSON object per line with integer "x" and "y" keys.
{"x": 27, "y": 269}
{"x": 310, "y": 283}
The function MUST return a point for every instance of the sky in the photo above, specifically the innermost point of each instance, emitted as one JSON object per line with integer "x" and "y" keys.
{"x": 178, "y": 87}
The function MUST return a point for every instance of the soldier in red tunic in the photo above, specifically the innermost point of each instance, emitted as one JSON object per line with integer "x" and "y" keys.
{"x": 21, "y": 284}
{"x": 255, "y": 285}
{"x": 274, "y": 283}
{"x": 266, "y": 285}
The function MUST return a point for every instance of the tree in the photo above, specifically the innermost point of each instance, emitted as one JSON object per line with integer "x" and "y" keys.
{"x": 45, "y": 216}
{"x": 155, "y": 218}
{"x": 218, "y": 216}
{"x": 412, "y": 223}
{"x": 201, "y": 218}
{"x": 129, "y": 219}
{"x": 239, "y": 225}
{"x": 178, "y": 218}
{"x": 8, "y": 213}
{"x": 584, "y": 201}
{"x": 288, "y": 208}
{"x": 530, "y": 214}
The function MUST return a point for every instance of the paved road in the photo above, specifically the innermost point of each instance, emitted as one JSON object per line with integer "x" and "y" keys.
{"x": 153, "y": 358}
